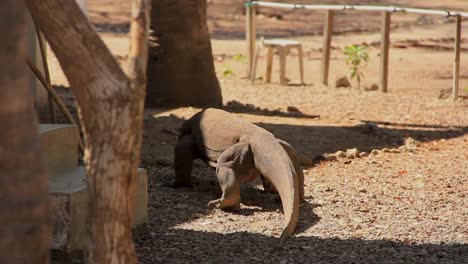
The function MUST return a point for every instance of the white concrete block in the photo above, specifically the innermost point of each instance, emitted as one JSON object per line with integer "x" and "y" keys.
{"x": 60, "y": 147}
{"x": 69, "y": 208}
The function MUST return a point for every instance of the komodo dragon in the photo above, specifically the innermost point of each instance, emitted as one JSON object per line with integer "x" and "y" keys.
{"x": 240, "y": 151}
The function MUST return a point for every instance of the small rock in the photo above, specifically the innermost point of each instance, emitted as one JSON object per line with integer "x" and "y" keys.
{"x": 373, "y": 87}
{"x": 445, "y": 93}
{"x": 340, "y": 154}
{"x": 386, "y": 150}
{"x": 342, "y": 82}
{"x": 352, "y": 153}
{"x": 250, "y": 107}
{"x": 330, "y": 157}
{"x": 394, "y": 150}
{"x": 411, "y": 143}
{"x": 423, "y": 252}
{"x": 453, "y": 244}
{"x": 293, "y": 109}
{"x": 363, "y": 154}
{"x": 375, "y": 152}
{"x": 347, "y": 161}
{"x": 276, "y": 112}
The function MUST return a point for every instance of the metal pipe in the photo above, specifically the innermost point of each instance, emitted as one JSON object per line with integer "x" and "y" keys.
{"x": 359, "y": 7}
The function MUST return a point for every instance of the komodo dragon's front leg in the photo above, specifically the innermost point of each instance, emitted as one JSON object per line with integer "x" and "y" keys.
{"x": 268, "y": 186}
{"x": 184, "y": 154}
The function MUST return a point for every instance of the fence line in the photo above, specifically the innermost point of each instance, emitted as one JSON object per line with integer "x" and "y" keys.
{"x": 359, "y": 7}
{"x": 328, "y": 29}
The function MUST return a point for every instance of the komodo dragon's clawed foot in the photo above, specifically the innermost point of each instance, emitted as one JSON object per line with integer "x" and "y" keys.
{"x": 223, "y": 205}
{"x": 230, "y": 200}
{"x": 268, "y": 187}
{"x": 214, "y": 203}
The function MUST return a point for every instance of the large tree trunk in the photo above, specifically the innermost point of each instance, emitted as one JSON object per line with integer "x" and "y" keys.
{"x": 24, "y": 225}
{"x": 180, "y": 67}
{"x": 111, "y": 113}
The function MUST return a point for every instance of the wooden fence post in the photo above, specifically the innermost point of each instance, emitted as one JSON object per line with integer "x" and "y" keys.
{"x": 456, "y": 66}
{"x": 327, "y": 35}
{"x": 250, "y": 35}
{"x": 384, "y": 51}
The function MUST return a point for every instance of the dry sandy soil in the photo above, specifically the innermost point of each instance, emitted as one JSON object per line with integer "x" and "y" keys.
{"x": 403, "y": 199}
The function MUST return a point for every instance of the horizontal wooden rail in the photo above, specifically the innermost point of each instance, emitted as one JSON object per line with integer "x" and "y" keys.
{"x": 359, "y": 7}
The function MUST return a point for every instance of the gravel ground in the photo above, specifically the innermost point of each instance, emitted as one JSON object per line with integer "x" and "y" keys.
{"x": 401, "y": 199}
{"x": 392, "y": 189}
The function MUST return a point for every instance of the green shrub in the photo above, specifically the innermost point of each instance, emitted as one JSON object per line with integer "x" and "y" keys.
{"x": 357, "y": 58}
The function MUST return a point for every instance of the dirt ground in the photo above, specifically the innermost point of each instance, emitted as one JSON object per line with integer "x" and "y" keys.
{"x": 403, "y": 198}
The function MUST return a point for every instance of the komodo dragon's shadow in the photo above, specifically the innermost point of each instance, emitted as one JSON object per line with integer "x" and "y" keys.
{"x": 238, "y": 107}
{"x": 268, "y": 202}
{"x": 254, "y": 199}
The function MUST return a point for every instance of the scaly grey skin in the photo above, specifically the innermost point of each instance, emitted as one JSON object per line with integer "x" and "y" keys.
{"x": 268, "y": 187}
{"x": 240, "y": 151}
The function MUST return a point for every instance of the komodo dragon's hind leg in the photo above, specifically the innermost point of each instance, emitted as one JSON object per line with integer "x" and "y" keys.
{"x": 230, "y": 198}
{"x": 268, "y": 186}
{"x": 234, "y": 166}
{"x": 183, "y": 158}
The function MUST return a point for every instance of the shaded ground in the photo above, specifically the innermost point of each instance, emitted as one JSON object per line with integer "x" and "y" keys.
{"x": 403, "y": 207}
{"x": 407, "y": 202}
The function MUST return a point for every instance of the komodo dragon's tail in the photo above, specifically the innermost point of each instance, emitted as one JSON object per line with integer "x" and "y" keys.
{"x": 274, "y": 163}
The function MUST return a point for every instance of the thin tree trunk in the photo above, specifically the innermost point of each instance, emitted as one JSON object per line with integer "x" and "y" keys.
{"x": 24, "y": 225}
{"x": 111, "y": 112}
{"x": 137, "y": 65}
{"x": 138, "y": 54}
{"x": 180, "y": 67}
